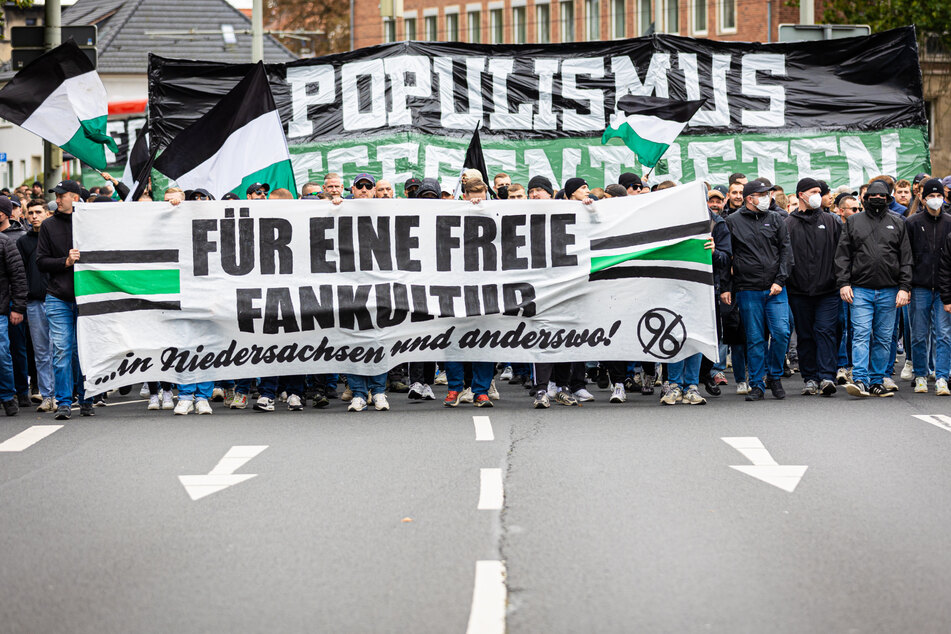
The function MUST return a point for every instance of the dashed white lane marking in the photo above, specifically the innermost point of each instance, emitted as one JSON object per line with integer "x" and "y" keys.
{"x": 491, "y": 495}
{"x": 764, "y": 468}
{"x": 487, "y": 615}
{"x": 28, "y": 437}
{"x": 483, "y": 428}
{"x": 223, "y": 475}
{"x": 938, "y": 420}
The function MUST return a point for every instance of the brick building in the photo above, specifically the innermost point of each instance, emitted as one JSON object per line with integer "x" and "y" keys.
{"x": 555, "y": 21}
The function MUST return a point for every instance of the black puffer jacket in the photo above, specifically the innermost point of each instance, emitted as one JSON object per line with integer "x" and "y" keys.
{"x": 927, "y": 235}
{"x": 874, "y": 252}
{"x": 36, "y": 279}
{"x": 12, "y": 278}
{"x": 762, "y": 255}
{"x": 814, "y": 235}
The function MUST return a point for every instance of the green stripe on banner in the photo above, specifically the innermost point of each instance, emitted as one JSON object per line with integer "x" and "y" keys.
{"x": 277, "y": 175}
{"x": 686, "y": 251}
{"x": 148, "y": 282}
{"x": 89, "y": 141}
{"x": 648, "y": 152}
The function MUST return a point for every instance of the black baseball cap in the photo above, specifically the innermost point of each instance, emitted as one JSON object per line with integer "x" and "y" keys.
{"x": 230, "y": 196}
{"x": 766, "y": 182}
{"x": 67, "y": 186}
{"x": 196, "y": 192}
{"x": 7, "y": 207}
{"x": 253, "y": 187}
{"x": 722, "y": 189}
{"x": 919, "y": 177}
{"x": 754, "y": 187}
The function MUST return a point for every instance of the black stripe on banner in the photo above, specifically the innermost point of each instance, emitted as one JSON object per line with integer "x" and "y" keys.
{"x": 37, "y": 80}
{"x": 197, "y": 143}
{"x": 142, "y": 256}
{"x": 124, "y": 306}
{"x": 660, "y": 107}
{"x": 654, "y": 235}
{"x": 664, "y": 272}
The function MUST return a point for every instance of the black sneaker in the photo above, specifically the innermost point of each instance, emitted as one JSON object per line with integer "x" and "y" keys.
{"x": 856, "y": 388}
{"x": 320, "y": 400}
{"x": 647, "y": 387}
{"x": 604, "y": 381}
{"x": 63, "y": 412}
{"x": 517, "y": 379}
{"x": 23, "y": 400}
{"x": 827, "y": 387}
{"x": 11, "y": 407}
{"x": 87, "y": 409}
{"x": 756, "y": 394}
{"x": 125, "y": 389}
{"x": 776, "y": 387}
{"x": 711, "y": 386}
{"x": 879, "y": 390}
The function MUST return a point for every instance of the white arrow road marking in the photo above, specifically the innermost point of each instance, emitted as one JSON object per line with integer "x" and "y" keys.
{"x": 487, "y": 615}
{"x": 223, "y": 475}
{"x": 785, "y": 477}
{"x": 938, "y": 420}
{"x": 490, "y": 490}
{"x": 28, "y": 437}
{"x": 483, "y": 428}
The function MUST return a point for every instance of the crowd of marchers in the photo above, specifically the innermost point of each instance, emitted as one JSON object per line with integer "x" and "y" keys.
{"x": 833, "y": 283}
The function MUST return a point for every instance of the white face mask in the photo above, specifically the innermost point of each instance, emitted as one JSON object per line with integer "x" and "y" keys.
{"x": 814, "y": 201}
{"x": 763, "y": 203}
{"x": 935, "y": 203}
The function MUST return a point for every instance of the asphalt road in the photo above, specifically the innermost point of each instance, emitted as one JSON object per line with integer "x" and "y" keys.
{"x": 616, "y": 518}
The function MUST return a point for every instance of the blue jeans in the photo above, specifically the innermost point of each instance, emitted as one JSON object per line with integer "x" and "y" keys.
{"x": 686, "y": 372}
{"x": 928, "y": 318}
{"x": 738, "y": 355}
{"x": 40, "y": 333}
{"x": 873, "y": 326}
{"x": 764, "y": 317}
{"x": 21, "y": 361}
{"x": 67, "y": 375}
{"x": 191, "y": 391}
{"x": 363, "y": 385}
{"x": 7, "y": 386}
{"x": 482, "y": 373}
{"x": 817, "y": 332}
{"x": 719, "y": 364}
{"x": 902, "y": 326}
{"x": 268, "y": 386}
{"x": 845, "y": 337}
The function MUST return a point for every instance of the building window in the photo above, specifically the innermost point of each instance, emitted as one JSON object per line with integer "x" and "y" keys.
{"x": 671, "y": 16}
{"x": 409, "y": 28}
{"x": 592, "y": 19}
{"x": 496, "y": 25}
{"x": 567, "y": 12}
{"x": 432, "y": 26}
{"x": 644, "y": 22}
{"x": 389, "y": 30}
{"x": 474, "y": 26}
{"x": 727, "y": 18}
{"x": 518, "y": 25}
{"x": 452, "y": 27}
{"x": 930, "y": 111}
{"x": 542, "y": 24}
{"x": 699, "y": 16}
{"x": 618, "y": 15}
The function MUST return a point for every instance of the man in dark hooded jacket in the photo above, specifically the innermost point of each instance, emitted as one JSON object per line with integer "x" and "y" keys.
{"x": 873, "y": 271}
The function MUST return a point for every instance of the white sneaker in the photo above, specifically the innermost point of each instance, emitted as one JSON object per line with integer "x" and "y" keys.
{"x": 218, "y": 395}
{"x": 154, "y": 403}
{"x": 742, "y": 387}
{"x": 144, "y": 390}
{"x": 921, "y": 385}
{"x": 618, "y": 395}
{"x": 415, "y": 391}
{"x": 264, "y": 404}
{"x": 692, "y": 396}
{"x": 908, "y": 372}
{"x": 552, "y": 389}
{"x": 506, "y": 375}
{"x": 493, "y": 391}
{"x": 889, "y": 384}
{"x": 583, "y": 395}
{"x": 184, "y": 407}
{"x": 466, "y": 396}
{"x": 428, "y": 393}
{"x": 672, "y": 396}
{"x": 202, "y": 406}
{"x": 294, "y": 404}
{"x": 48, "y": 405}
{"x": 380, "y": 403}
{"x": 357, "y": 404}
{"x": 282, "y": 397}
{"x": 941, "y": 388}
{"x": 167, "y": 401}
{"x": 441, "y": 379}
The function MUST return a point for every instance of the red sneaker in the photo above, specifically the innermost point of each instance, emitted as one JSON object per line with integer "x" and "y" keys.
{"x": 452, "y": 399}
{"x": 483, "y": 400}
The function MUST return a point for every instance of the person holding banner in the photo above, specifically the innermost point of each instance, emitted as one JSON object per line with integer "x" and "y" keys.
{"x": 762, "y": 260}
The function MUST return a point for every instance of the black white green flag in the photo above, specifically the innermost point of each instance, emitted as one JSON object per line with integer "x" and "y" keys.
{"x": 238, "y": 142}
{"x": 60, "y": 97}
{"x": 650, "y": 124}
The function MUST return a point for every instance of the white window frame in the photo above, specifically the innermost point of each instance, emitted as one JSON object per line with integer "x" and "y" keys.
{"x": 930, "y": 107}
{"x": 567, "y": 25}
{"x": 588, "y": 23}
{"x": 542, "y": 29}
{"x": 643, "y": 22}
{"x": 519, "y": 22}
{"x": 614, "y": 34}
{"x": 410, "y": 16}
{"x": 431, "y": 25}
{"x": 450, "y": 13}
{"x": 496, "y": 25}
{"x": 470, "y": 11}
{"x": 694, "y": 4}
{"x": 720, "y": 28}
{"x": 667, "y": 29}
{"x": 389, "y": 24}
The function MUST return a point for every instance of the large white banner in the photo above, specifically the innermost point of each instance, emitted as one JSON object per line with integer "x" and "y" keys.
{"x": 235, "y": 289}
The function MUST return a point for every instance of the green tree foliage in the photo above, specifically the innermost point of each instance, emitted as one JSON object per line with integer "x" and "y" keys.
{"x": 932, "y": 18}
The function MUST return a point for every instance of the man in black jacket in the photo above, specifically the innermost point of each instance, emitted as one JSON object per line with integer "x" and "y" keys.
{"x": 927, "y": 233}
{"x": 813, "y": 294}
{"x": 12, "y": 309}
{"x": 762, "y": 260}
{"x": 36, "y": 213}
{"x": 56, "y": 256}
{"x": 873, "y": 271}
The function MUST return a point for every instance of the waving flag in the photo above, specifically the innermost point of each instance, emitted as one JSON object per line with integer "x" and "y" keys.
{"x": 650, "y": 124}
{"x": 137, "y": 167}
{"x": 60, "y": 97}
{"x": 238, "y": 142}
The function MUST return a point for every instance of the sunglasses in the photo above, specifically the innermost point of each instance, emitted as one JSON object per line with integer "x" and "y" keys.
{"x": 363, "y": 185}
{"x": 201, "y": 197}
{"x": 259, "y": 192}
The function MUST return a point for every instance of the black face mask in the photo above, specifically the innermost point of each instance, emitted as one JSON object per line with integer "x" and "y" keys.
{"x": 876, "y": 204}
